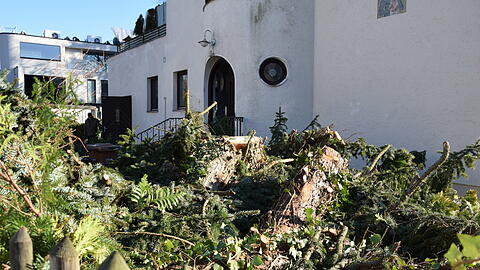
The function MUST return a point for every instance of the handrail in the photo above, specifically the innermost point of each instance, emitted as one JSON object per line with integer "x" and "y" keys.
{"x": 158, "y": 32}
{"x": 229, "y": 125}
{"x": 156, "y": 132}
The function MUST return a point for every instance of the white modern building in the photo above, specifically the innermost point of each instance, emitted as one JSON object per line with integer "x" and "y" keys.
{"x": 278, "y": 34}
{"x": 392, "y": 71}
{"x": 50, "y": 57}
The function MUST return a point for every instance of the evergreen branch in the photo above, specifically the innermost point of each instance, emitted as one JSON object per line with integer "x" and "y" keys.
{"x": 156, "y": 234}
{"x": 417, "y": 181}
{"x": 6, "y": 176}
{"x": 374, "y": 162}
{"x": 15, "y": 207}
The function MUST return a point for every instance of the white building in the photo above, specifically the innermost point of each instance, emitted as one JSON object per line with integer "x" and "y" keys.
{"x": 412, "y": 80}
{"x": 247, "y": 33}
{"x": 50, "y": 58}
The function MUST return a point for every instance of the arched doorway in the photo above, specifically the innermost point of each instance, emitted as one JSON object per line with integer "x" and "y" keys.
{"x": 221, "y": 88}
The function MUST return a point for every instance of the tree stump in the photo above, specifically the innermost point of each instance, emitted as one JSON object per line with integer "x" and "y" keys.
{"x": 64, "y": 256}
{"x": 309, "y": 189}
{"x": 252, "y": 148}
{"x": 21, "y": 250}
{"x": 221, "y": 170}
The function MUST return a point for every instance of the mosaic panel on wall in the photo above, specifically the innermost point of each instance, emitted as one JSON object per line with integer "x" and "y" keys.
{"x": 391, "y": 7}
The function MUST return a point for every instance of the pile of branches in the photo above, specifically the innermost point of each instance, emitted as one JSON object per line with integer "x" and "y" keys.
{"x": 296, "y": 203}
{"x": 197, "y": 201}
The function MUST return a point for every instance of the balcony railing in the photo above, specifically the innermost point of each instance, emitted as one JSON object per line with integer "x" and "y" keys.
{"x": 140, "y": 40}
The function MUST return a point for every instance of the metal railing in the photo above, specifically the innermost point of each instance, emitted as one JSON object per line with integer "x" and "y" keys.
{"x": 156, "y": 132}
{"x": 231, "y": 126}
{"x": 228, "y": 125}
{"x": 159, "y": 32}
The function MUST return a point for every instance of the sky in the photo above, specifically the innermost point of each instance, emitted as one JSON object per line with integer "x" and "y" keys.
{"x": 73, "y": 18}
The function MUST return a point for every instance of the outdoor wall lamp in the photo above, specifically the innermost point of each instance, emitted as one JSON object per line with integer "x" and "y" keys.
{"x": 204, "y": 43}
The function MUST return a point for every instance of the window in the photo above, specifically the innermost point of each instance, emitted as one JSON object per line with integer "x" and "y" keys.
{"x": 94, "y": 61}
{"x": 56, "y": 82}
{"x": 39, "y": 51}
{"x": 152, "y": 94}
{"x": 182, "y": 87}
{"x": 273, "y": 71}
{"x": 91, "y": 91}
{"x": 104, "y": 88}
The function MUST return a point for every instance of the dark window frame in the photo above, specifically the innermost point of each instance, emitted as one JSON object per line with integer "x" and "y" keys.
{"x": 180, "y": 96}
{"x": 281, "y": 65}
{"x": 103, "y": 89}
{"x": 57, "y": 58}
{"x": 152, "y": 105}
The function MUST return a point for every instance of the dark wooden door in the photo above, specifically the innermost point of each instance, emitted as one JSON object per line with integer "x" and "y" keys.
{"x": 221, "y": 88}
{"x": 116, "y": 116}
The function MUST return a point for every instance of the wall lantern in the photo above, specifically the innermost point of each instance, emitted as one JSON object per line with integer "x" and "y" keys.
{"x": 205, "y": 42}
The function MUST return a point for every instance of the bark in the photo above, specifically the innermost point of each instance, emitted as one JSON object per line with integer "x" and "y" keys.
{"x": 309, "y": 189}
{"x": 221, "y": 170}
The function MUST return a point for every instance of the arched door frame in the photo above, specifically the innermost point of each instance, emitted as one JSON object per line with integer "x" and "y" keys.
{"x": 219, "y": 64}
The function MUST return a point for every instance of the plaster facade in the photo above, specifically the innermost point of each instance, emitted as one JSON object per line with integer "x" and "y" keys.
{"x": 247, "y": 32}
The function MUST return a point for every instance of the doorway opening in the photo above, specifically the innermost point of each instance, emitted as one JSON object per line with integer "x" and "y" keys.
{"x": 221, "y": 89}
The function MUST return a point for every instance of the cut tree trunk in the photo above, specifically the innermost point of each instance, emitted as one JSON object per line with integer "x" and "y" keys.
{"x": 253, "y": 150}
{"x": 221, "y": 170}
{"x": 311, "y": 188}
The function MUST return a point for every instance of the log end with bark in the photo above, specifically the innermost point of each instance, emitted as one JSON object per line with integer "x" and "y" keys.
{"x": 311, "y": 188}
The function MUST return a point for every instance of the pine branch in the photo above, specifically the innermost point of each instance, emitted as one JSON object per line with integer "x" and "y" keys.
{"x": 417, "y": 181}
{"x": 374, "y": 163}
{"x": 157, "y": 234}
{"x": 6, "y": 176}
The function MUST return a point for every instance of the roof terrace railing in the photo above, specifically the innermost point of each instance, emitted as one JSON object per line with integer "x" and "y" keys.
{"x": 158, "y": 32}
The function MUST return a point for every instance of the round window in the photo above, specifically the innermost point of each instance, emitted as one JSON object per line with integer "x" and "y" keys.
{"x": 273, "y": 71}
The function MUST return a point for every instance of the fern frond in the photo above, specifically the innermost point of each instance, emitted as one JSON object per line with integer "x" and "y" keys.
{"x": 163, "y": 198}
{"x": 90, "y": 240}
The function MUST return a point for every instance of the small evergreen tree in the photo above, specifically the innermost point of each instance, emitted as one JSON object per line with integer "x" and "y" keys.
{"x": 139, "y": 26}
{"x": 151, "y": 22}
{"x": 279, "y": 128}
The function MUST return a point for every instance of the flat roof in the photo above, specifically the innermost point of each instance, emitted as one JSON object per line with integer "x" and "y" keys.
{"x": 72, "y": 42}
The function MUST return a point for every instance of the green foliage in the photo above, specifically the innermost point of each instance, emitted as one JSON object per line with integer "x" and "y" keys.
{"x": 138, "y": 30}
{"x": 151, "y": 201}
{"x": 455, "y": 167}
{"x": 43, "y": 185}
{"x": 151, "y": 20}
{"x": 468, "y": 256}
{"x": 90, "y": 239}
{"x": 279, "y": 128}
{"x": 164, "y": 198}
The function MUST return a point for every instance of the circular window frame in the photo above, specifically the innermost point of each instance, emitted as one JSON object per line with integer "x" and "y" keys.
{"x": 269, "y": 60}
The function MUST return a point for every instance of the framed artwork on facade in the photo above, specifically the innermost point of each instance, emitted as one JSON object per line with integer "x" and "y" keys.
{"x": 391, "y": 7}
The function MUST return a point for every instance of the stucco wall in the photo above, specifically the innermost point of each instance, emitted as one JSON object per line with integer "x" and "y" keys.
{"x": 411, "y": 79}
{"x": 178, "y": 50}
{"x": 247, "y": 32}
